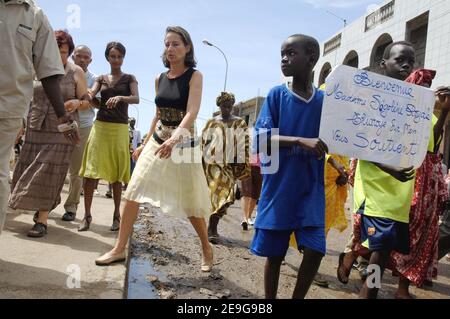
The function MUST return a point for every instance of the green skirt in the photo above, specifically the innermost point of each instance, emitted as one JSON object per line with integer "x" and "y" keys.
{"x": 107, "y": 153}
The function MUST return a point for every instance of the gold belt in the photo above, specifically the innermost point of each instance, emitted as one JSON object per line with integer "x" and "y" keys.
{"x": 171, "y": 114}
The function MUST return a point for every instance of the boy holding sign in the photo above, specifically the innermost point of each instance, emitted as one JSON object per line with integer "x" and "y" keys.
{"x": 292, "y": 199}
{"x": 383, "y": 194}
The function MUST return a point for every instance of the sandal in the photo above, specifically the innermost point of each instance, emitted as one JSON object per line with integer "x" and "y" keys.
{"x": 342, "y": 273}
{"x": 35, "y": 217}
{"x": 116, "y": 224}
{"x": 319, "y": 281}
{"x": 39, "y": 230}
{"x": 85, "y": 224}
{"x": 208, "y": 264}
{"x": 69, "y": 217}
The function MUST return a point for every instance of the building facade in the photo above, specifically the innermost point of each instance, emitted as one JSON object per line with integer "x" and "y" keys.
{"x": 424, "y": 23}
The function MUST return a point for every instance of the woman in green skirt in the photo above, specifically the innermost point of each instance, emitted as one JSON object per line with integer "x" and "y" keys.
{"x": 107, "y": 154}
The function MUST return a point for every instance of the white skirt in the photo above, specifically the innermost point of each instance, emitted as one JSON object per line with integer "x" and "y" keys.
{"x": 178, "y": 188}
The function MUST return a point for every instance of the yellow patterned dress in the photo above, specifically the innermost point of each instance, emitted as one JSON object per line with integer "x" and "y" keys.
{"x": 225, "y": 159}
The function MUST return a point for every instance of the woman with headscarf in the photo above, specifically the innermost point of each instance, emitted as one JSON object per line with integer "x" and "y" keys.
{"x": 225, "y": 144}
{"x": 430, "y": 193}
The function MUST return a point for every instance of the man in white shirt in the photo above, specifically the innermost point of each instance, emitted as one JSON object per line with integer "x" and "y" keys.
{"x": 82, "y": 56}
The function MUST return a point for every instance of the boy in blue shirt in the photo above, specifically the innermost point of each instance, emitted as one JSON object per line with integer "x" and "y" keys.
{"x": 292, "y": 199}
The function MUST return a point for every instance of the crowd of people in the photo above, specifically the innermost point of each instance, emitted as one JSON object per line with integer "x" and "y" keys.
{"x": 77, "y": 124}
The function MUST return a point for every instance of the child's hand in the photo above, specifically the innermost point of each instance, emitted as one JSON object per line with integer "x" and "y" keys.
{"x": 403, "y": 175}
{"x": 342, "y": 180}
{"x": 316, "y": 145}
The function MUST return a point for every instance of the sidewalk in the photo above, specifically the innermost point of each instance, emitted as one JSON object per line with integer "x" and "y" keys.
{"x": 48, "y": 267}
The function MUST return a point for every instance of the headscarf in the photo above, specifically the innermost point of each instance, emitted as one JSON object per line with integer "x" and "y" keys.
{"x": 225, "y": 97}
{"x": 421, "y": 77}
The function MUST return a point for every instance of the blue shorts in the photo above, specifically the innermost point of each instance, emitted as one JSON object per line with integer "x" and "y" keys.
{"x": 384, "y": 234}
{"x": 275, "y": 243}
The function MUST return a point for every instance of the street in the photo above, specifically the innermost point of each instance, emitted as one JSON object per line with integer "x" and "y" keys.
{"x": 173, "y": 249}
{"x": 165, "y": 261}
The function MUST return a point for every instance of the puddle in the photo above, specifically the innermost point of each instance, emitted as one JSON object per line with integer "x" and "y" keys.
{"x": 139, "y": 268}
{"x": 138, "y": 285}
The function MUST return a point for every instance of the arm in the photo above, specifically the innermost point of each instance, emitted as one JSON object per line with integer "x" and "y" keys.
{"x": 343, "y": 176}
{"x": 315, "y": 145}
{"x": 403, "y": 175}
{"x": 132, "y": 99}
{"x": 95, "y": 88}
{"x": 53, "y": 92}
{"x": 82, "y": 102}
{"x": 442, "y": 100}
{"x": 193, "y": 107}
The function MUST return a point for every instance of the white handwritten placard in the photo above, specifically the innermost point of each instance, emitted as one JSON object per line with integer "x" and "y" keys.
{"x": 376, "y": 118}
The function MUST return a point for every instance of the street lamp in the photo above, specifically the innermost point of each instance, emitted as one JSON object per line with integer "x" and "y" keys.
{"x": 342, "y": 19}
{"x": 206, "y": 42}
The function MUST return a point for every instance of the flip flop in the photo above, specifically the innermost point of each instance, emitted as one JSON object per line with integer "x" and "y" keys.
{"x": 341, "y": 264}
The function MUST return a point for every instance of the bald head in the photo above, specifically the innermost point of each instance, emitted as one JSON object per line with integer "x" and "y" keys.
{"x": 83, "y": 48}
{"x": 82, "y": 56}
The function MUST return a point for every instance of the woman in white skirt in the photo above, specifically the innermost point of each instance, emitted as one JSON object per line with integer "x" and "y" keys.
{"x": 170, "y": 159}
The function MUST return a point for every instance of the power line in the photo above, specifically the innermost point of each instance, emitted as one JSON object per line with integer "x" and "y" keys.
{"x": 333, "y": 14}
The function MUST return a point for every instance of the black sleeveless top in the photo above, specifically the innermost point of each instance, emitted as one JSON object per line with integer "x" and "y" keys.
{"x": 173, "y": 96}
{"x": 171, "y": 101}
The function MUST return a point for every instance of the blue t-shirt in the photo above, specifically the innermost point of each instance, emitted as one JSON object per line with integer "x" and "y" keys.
{"x": 294, "y": 196}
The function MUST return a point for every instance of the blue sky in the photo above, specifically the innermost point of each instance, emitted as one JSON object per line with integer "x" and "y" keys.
{"x": 250, "y": 32}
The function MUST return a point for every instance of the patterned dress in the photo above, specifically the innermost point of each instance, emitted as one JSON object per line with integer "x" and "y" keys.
{"x": 222, "y": 169}
{"x": 45, "y": 158}
{"x": 335, "y": 197}
{"x": 430, "y": 194}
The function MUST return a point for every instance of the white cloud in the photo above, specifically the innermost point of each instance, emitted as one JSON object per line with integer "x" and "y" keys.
{"x": 337, "y": 3}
